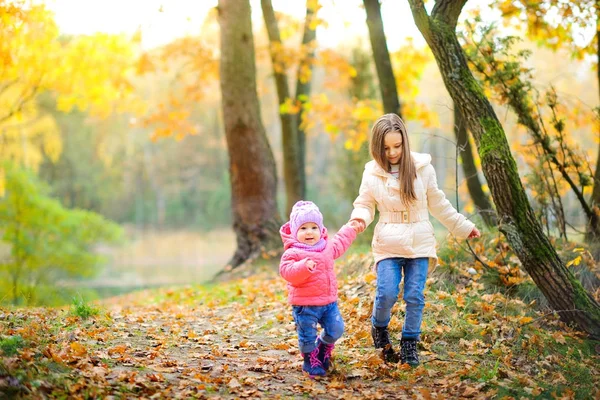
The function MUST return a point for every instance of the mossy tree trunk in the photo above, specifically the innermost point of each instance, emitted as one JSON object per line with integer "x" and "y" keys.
{"x": 251, "y": 164}
{"x": 517, "y": 221}
{"x": 483, "y": 205}
{"x": 593, "y": 228}
{"x": 381, "y": 56}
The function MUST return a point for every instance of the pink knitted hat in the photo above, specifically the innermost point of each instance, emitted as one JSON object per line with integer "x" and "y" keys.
{"x": 303, "y": 212}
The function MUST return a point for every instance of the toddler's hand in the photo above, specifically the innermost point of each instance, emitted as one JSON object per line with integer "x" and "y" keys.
{"x": 357, "y": 224}
{"x": 474, "y": 233}
{"x": 310, "y": 264}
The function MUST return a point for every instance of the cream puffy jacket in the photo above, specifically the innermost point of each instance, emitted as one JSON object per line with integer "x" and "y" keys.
{"x": 415, "y": 238}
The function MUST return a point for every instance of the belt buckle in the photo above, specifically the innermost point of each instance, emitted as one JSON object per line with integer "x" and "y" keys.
{"x": 404, "y": 216}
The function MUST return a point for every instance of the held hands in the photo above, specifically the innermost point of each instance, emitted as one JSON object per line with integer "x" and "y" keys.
{"x": 310, "y": 264}
{"x": 357, "y": 224}
{"x": 474, "y": 233}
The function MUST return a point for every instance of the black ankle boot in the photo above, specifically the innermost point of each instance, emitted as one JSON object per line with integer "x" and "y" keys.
{"x": 381, "y": 340}
{"x": 408, "y": 352}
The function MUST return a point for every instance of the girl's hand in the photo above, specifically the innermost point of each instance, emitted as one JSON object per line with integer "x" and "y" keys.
{"x": 357, "y": 224}
{"x": 310, "y": 264}
{"x": 474, "y": 233}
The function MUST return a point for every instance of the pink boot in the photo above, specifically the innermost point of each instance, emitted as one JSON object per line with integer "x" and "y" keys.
{"x": 325, "y": 351}
{"x": 312, "y": 363}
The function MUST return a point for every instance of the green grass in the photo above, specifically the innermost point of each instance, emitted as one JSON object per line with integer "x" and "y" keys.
{"x": 11, "y": 344}
{"x": 82, "y": 309}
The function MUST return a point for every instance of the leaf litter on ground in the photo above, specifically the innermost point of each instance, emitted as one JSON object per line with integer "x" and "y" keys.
{"x": 236, "y": 339}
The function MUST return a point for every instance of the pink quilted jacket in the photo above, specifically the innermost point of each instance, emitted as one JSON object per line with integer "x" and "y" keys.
{"x": 319, "y": 287}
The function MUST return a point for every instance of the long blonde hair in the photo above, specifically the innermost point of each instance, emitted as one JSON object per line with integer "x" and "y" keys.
{"x": 407, "y": 171}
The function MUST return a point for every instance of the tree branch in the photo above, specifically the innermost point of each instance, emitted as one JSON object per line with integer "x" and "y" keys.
{"x": 420, "y": 16}
{"x": 448, "y": 11}
{"x": 22, "y": 102}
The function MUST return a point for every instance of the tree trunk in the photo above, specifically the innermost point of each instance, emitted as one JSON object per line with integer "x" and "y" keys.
{"x": 251, "y": 163}
{"x": 15, "y": 289}
{"x": 482, "y": 202}
{"x": 294, "y": 186}
{"x": 155, "y": 184}
{"x": 564, "y": 292}
{"x": 303, "y": 86}
{"x": 381, "y": 55}
{"x": 593, "y": 229}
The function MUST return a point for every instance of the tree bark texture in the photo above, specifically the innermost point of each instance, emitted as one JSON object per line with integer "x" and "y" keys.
{"x": 381, "y": 55}
{"x": 251, "y": 164}
{"x": 483, "y": 205}
{"x": 293, "y": 178}
{"x": 564, "y": 292}
{"x": 593, "y": 229}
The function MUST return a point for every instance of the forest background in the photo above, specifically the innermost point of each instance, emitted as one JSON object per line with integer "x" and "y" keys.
{"x": 128, "y": 127}
{"x": 158, "y": 145}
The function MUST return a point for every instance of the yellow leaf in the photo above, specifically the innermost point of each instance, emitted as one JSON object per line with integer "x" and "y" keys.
{"x": 78, "y": 349}
{"x": 370, "y": 277}
{"x": 2, "y": 182}
{"x": 575, "y": 261}
{"x": 525, "y": 320}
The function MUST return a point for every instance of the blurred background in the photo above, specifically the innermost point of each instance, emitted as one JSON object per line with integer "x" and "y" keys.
{"x": 111, "y": 119}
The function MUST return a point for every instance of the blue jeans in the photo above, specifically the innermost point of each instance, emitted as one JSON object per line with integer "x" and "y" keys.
{"x": 389, "y": 275}
{"x": 307, "y": 317}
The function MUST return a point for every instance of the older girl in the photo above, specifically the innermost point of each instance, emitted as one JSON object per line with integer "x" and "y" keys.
{"x": 403, "y": 186}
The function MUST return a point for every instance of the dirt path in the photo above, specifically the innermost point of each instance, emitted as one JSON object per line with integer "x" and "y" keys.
{"x": 220, "y": 353}
{"x": 241, "y": 351}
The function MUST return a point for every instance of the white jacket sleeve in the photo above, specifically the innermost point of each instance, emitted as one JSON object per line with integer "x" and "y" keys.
{"x": 443, "y": 210}
{"x": 364, "y": 205}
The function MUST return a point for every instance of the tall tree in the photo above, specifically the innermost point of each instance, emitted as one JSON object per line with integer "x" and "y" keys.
{"x": 303, "y": 81}
{"x": 293, "y": 158}
{"x": 483, "y": 204}
{"x": 524, "y": 233}
{"x": 251, "y": 164}
{"x": 381, "y": 55}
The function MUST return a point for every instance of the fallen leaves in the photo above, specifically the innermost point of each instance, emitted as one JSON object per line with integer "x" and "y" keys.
{"x": 179, "y": 346}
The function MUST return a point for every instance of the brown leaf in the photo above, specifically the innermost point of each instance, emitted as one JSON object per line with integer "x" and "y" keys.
{"x": 155, "y": 377}
{"x": 234, "y": 384}
{"x": 100, "y": 371}
{"x": 470, "y": 391}
{"x": 162, "y": 369}
{"x": 120, "y": 349}
{"x": 336, "y": 385}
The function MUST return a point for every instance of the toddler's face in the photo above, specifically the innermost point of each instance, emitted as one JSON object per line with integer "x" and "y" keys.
{"x": 309, "y": 233}
{"x": 393, "y": 147}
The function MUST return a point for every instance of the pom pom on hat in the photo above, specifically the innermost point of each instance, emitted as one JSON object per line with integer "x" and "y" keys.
{"x": 303, "y": 212}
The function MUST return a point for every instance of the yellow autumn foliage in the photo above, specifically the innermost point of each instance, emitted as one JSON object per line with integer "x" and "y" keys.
{"x": 84, "y": 72}
{"x": 553, "y": 23}
{"x": 353, "y": 119}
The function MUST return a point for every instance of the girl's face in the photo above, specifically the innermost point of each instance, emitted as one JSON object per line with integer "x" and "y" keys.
{"x": 309, "y": 233}
{"x": 393, "y": 147}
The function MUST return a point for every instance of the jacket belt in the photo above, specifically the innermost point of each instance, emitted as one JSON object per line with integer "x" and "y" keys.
{"x": 403, "y": 217}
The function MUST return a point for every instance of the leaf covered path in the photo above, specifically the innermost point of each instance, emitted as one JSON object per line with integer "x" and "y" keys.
{"x": 236, "y": 339}
{"x": 225, "y": 352}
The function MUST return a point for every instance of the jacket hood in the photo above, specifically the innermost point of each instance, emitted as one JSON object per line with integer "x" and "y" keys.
{"x": 288, "y": 240}
{"x": 420, "y": 159}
